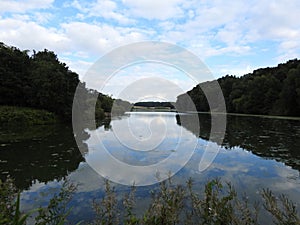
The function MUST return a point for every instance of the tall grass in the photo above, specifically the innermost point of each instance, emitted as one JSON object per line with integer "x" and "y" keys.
{"x": 55, "y": 213}
{"x": 176, "y": 204}
{"x": 218, "y": 204}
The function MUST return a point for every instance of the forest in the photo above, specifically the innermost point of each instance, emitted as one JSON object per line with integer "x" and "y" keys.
{"x": 266, "y": 91}
{"x": 41, "y": 81}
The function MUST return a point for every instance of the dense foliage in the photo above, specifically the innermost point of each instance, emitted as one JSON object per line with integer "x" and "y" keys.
{"x": 267, "y": 91}
{"x": 41, "y": 81}
{"x": 11, "y": 115}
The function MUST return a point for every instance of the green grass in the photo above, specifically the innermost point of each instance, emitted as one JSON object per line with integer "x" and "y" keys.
{"x": 20, "y": 116}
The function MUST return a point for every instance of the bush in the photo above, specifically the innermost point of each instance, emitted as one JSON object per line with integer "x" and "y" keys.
{"x": 19, "y": 116}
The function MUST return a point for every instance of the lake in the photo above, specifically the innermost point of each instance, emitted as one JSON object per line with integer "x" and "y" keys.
{"x": 257, "y": 153}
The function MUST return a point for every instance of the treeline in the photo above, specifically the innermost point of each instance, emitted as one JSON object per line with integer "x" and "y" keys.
{"x": 267, "y": 91}
{"x": 41, "y": 81}
{"x": 155, "y": 104}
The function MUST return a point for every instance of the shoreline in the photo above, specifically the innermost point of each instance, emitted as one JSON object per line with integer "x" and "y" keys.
{"x": 248, "y": 115}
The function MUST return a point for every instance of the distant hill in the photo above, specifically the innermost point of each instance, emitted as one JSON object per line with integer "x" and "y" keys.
{"x": 266, "y": 91}
{"x": 155, "y": 104}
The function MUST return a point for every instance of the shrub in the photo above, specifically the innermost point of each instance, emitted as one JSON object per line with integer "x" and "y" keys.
{"x": 19, "y": 116}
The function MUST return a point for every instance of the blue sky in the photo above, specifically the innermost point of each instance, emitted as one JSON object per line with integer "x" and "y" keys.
{"x": 230, "y": 37}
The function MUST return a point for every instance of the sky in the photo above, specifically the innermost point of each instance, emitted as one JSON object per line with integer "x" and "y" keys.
{"x": 230, "y": 37}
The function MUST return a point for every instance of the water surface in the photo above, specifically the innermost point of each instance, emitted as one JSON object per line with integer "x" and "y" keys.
{"x": 256, "y": 153}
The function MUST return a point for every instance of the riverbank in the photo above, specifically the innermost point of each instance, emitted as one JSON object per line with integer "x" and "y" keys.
{"x": 244, "y": 115}
{"x": 23, "y": 116}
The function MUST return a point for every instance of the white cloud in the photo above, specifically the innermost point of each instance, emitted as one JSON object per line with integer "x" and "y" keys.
{"x": 213, "y": 29}
{"x": 231, "y": 34}
{"x": 24, "y": 5}
{"x": 209, "y": 29}
{"x": 150, "y": 9}
{"x": 234, "y": 49}
{"x": 102, "y": 9}
{"x": 30, "y": 35}
{"x": 238, "y": 69}
{"x": 148, "y": 79}
{"x": 42, "y": 18}
{"x": 273, "y": 21}
{"x": 21, "y": 17}
{"x": 80, "y": 66}
{"x": 98, "y": 39}
{"x": 236, "y": 27}
{"x": 107, "y": 9}
{"x": 81, "y": 6}
{"x": 74, "y": 40}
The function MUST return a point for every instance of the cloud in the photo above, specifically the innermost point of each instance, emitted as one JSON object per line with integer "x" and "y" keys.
{"x": 209, "y": 30}
{"x": 105, "y": 9}
{"x": 217, "y": 28}
{"x": 238, "y": 69}
{"x": 30, "y": 35}
{"x": 98, "y": 39}
{"x": 24, "y": 5}
{"x": 149, "y": 9}
{"x": 109, "y": 10}
{"x": 147, "y": 86}
{"x": 141, "y": 80}
{"x": 233, "y": 33}
{"x": 80, "y": 66}
{"x": 42, "y": 18}
{"x": 276, "y": 21}
{"x": 72, "y": 41}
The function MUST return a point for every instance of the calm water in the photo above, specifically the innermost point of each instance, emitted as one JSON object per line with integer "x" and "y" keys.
{"x": 256, "y": 153}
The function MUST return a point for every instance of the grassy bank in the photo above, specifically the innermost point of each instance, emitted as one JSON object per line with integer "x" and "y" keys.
{"x": 21, "y": 116}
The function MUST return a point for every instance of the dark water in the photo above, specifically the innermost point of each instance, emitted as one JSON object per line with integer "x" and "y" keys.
{"x": 256, "y": 153}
